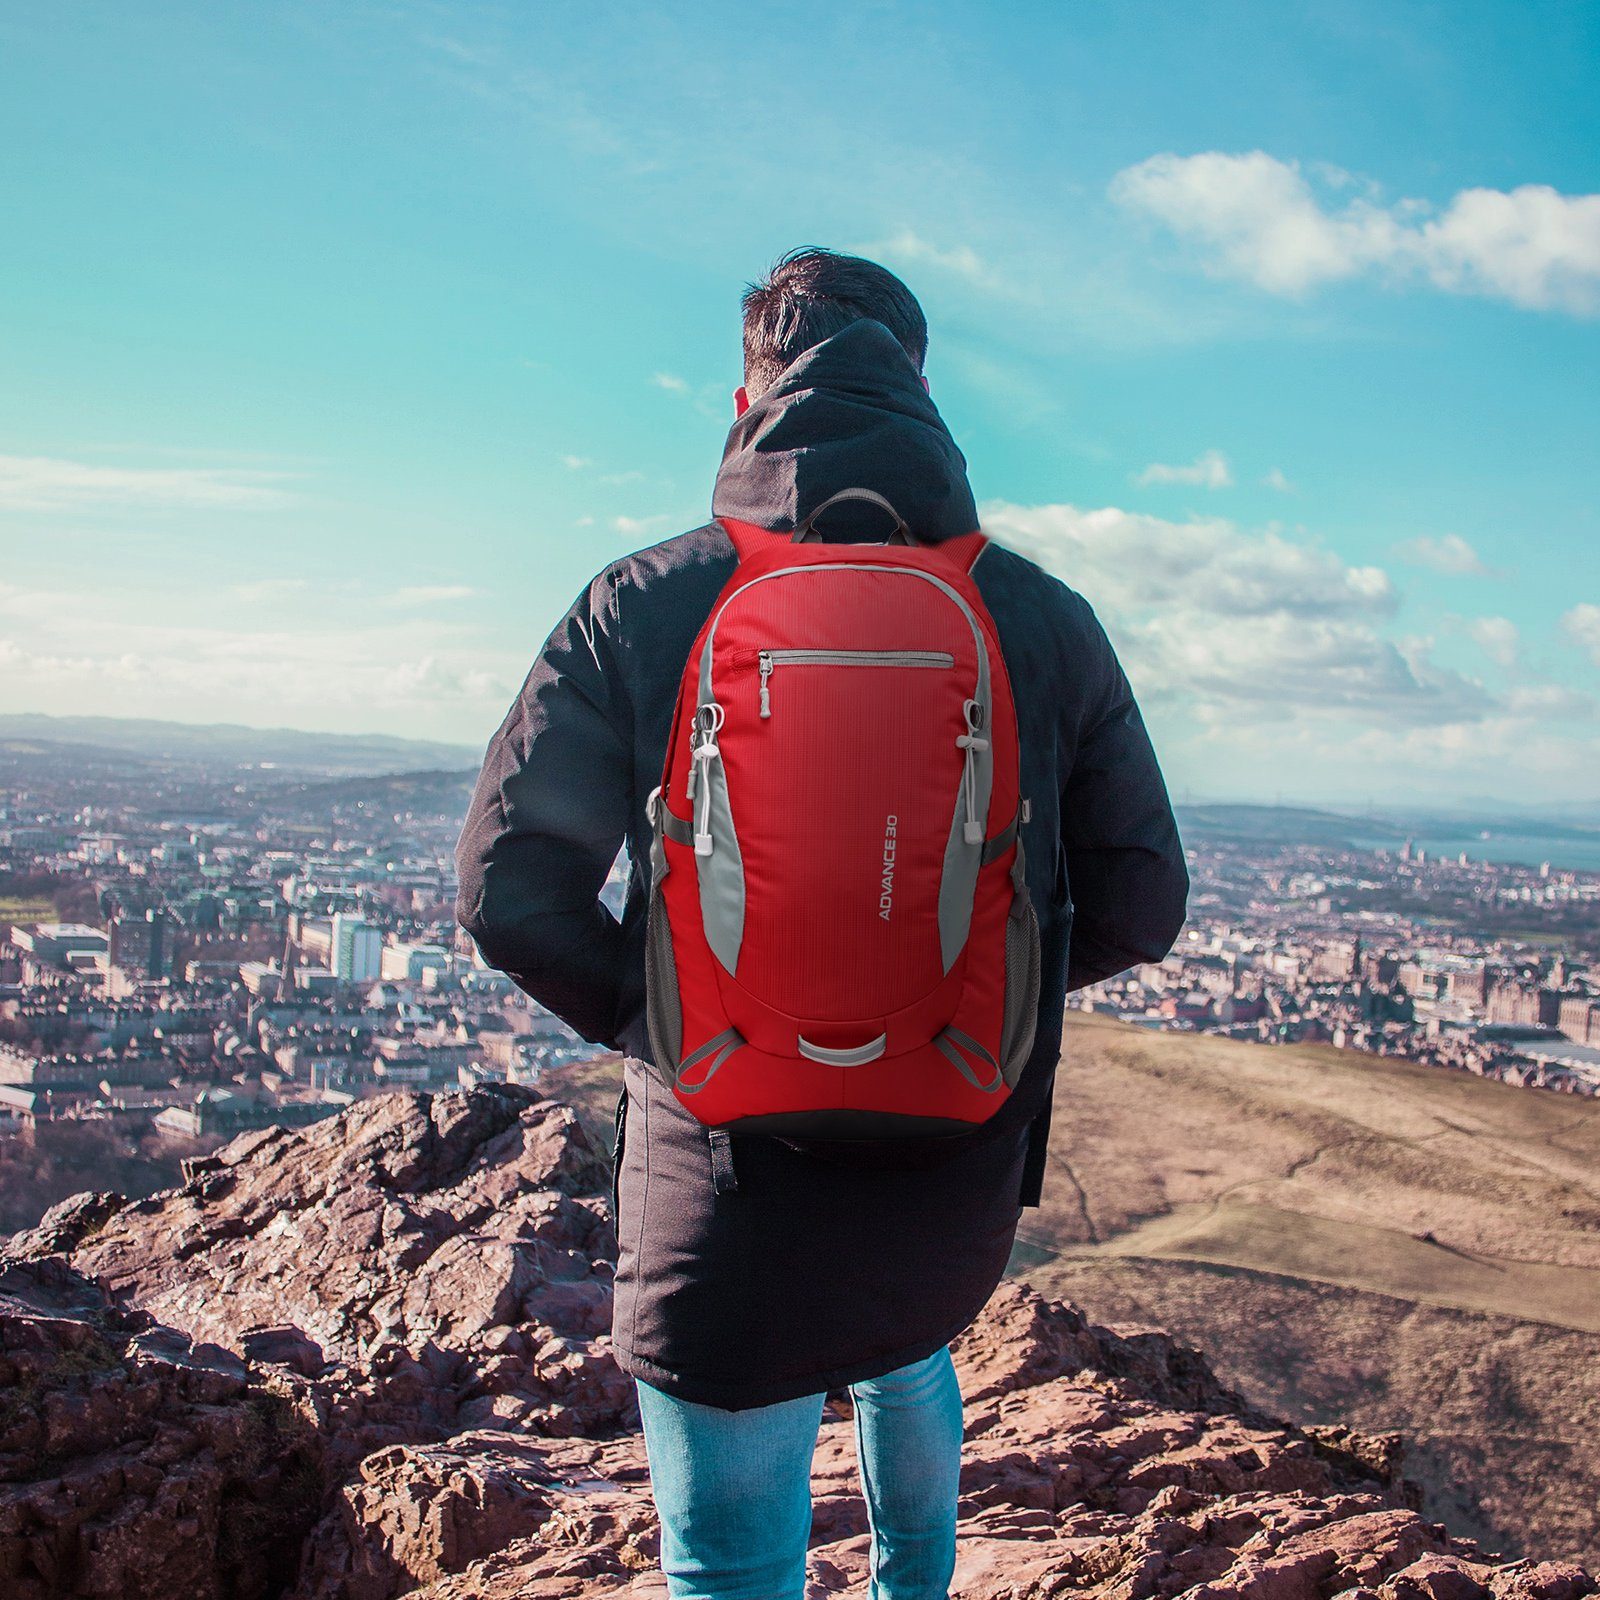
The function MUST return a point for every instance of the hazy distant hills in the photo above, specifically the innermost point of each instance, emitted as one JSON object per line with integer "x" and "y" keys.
{"x": 227, "y": 744}
{"x": 1391, "y": 1245}
{"x": 1252, "y": 824}
{"x": 218, "y": 748}
{"x": 394, "y": 794}
{"x": 1388, "y": 827}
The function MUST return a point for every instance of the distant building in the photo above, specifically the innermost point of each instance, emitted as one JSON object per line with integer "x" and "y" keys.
{"x": 140, "y": 946}
{"x": 222, "y": 1111}
{"x": 406, "y": 963}
{"x": 261, "y": 977}
{"x": 1579, "y": 1019}
{"x": 54, "y": 943}
{"x": 1338, "y": 959}
{"x": 357, "y": 949}
{"x": 1524, "y": 1004}
{"x": 1471, "y": 985}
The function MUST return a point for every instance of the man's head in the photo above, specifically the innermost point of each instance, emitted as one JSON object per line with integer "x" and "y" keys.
{"x": 808, "y": 296}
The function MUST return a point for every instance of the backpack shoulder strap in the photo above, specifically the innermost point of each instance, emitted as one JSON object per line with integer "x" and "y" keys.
{"x": 745, "y": 537}
{"x": 964, "y": 549}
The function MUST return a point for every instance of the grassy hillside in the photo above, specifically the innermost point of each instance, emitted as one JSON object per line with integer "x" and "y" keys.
{"x": 1349, "y": 1239}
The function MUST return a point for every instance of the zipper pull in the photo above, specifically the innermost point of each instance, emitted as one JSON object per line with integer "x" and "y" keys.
{"x": 972, "y": 741}
{"x": 708, "y": 719}
{"x": 764, "y": 661}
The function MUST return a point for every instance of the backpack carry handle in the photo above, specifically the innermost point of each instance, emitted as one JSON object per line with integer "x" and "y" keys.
{"x": 808, "y": 528}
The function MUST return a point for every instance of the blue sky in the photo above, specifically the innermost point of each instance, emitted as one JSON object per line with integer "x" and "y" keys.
{"x": 344, "y": 343}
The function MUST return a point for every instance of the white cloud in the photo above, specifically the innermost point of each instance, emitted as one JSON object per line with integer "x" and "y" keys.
{"x": 1550, "y": 700}
{"x": 1258, "y": 217}
{"x": 639, "y": 525}
{"x": 298, "y": 676}
{"x": 1210, "y": 470}
{"x": 423, "y": 594}
{"x": 961, "y": 261}
{"x": 1582, "y": 625}
{"x": 1261, "y": 219}
{"x": 576, "y": 463}
{"x": 671, "y": 382}
{"x": 265, "y": 590}
{"x": 1497, "y": 637}
{"x": 21, "y": 664}
{"x": 1276, "y": 480}
{"x": 1225, "y": 622}
{"x": 1280, "y": 666}
{"x": 47, "y": 483}
{"x": 1531, "y": 246}
{"x": 1511, "y": 753}
{"x": 432, "y": 679}
{"x": 1129, "y": 562}
{"x": 1449, "y": 554}
{"x": 1266, "y": 663}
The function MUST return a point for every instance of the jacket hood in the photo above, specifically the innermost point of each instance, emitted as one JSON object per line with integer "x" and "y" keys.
{"x": 850, "y": 412}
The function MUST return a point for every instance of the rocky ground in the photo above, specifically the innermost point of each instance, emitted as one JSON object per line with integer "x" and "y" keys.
{"x": 369, "y": 1359}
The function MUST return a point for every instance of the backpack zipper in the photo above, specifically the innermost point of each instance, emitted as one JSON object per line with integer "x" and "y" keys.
{"x": 702, "y": 838}
{"x": 767, "y": 660}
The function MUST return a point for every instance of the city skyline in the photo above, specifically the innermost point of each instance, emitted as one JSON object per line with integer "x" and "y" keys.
{"x": 345, "y": 348}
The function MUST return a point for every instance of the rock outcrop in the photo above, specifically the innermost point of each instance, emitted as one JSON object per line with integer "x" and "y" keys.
{"x": 427, "y": 1264}
{"x": 370, "y": 1359}
{"x": 134, "y": 1461}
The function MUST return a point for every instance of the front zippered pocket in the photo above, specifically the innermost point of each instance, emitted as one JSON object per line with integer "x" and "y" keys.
{"x": 768, "y": 661}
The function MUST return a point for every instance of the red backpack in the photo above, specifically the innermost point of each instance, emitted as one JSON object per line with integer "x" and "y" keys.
{"x": 841, "y": 944}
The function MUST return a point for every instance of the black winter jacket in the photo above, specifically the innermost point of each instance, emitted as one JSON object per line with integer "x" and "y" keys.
{"x": 810, "y": 1275}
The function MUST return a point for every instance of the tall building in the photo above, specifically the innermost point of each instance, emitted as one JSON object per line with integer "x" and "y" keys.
{"x": 138, "y": 950}
{"x": 357, "y": 949}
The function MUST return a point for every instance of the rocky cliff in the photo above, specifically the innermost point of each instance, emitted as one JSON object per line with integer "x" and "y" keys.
{"x": 369, "y": 1359}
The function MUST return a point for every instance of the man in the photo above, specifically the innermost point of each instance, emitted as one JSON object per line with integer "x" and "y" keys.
{"x": 737, "y": 1311}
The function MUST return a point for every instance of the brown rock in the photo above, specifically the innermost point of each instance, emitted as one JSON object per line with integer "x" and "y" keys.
{"x": 383, "y": 1254}
{"x": 401, "y": 1316}
{"x": 1089, "y": 1471}
{"x": 136, "y": 1464}
{"x": 415, "y": 1514}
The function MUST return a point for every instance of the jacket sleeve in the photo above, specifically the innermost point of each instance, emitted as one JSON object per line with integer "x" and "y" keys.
{"x": 547, "y": 818}
{"x": 1125, "y": 863}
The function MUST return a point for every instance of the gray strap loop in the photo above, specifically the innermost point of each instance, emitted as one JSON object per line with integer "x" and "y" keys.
{"x": 808, "y": 528}
{"x": 719, "y": 1048}
{"x": 946, "y": 1043}
{"x": 1001, "y": 842}
{"x": 654, "y": 808}
{"x": 852, "y": 1056}
{"x": 1019, "y": 883}
{"x": 676, "y": 829}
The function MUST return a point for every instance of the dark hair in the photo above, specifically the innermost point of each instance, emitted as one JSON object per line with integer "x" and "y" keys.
{"x": 808, "y": 296}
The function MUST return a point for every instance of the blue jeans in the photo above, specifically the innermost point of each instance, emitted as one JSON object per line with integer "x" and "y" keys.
{"x": 733, "y": 1488}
